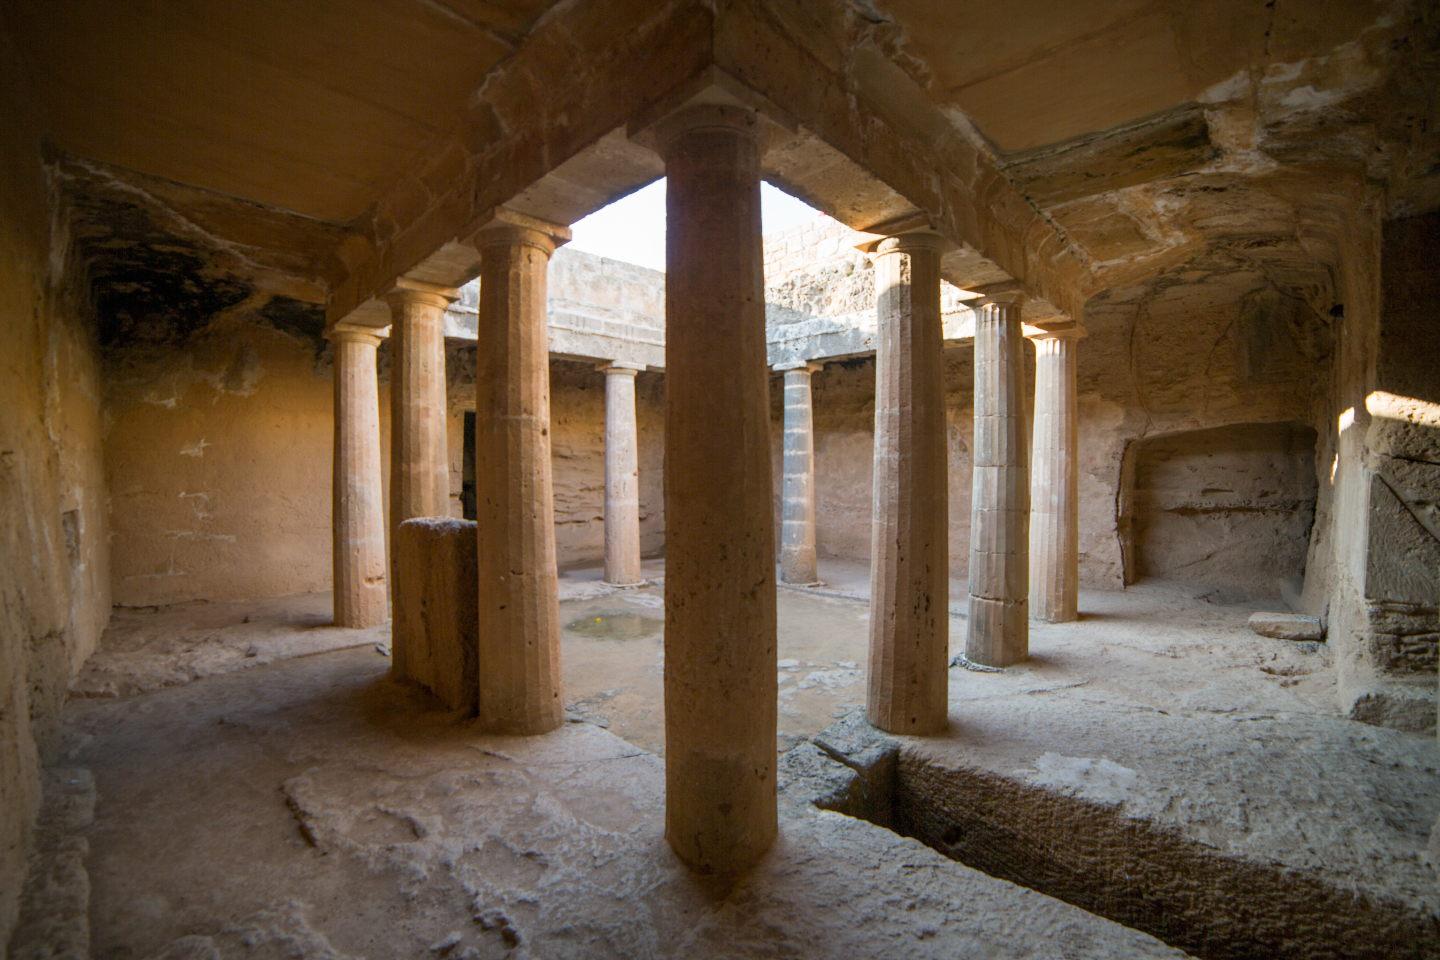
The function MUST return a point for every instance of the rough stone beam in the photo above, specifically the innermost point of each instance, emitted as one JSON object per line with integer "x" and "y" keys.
{"x": 593, "y": 67}
{"x": 580, "y": 74}
{"x": 822, "y": 63}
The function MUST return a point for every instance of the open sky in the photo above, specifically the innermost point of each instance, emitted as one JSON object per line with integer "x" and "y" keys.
{"x": 633, "y": 229}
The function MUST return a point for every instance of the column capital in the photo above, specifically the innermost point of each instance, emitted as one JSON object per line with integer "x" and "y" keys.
{"x": 706, "y": 116}
{"x": 809, "y": 366}
{"x": 506, "y": 226}
{"x": 620, "y": 367}
{"x": 407, "y": 290}
{"x": 353, "y": 333}
{"x": 1073, "y": 332}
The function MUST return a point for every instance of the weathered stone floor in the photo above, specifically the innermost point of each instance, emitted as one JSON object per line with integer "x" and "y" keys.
{"x": 314, "y": 808}
{"x": 1156, "y": 762}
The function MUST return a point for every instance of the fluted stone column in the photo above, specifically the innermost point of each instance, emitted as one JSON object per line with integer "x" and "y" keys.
{"x": 720, "y": 674}
{"x": 419, "y": 461}
{"x": 519, "y": 633}
{"x": 1055, "y": 481}
{"x": 359, "y": 505}
{"x": 797, "y": 510}
{"x": 1000, "y": 498}
{"x": 908, "y": 680}
{"x": 622, "y": 475}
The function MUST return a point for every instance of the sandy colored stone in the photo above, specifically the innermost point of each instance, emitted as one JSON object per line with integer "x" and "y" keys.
{"x": 720, "y": 684}
{"x": 419, "y": 464}
{"x": 797, "y": 493}
{"x": 519, "y": 633}
{"x": 1287, "y": 626}
{"x": 998, "y": 630}
{"x": 361, "y": 595}
{"x": 1054, "y": 481}
{"x": 622, "y": 476}
{"x": 910, "y": 582}
{"x": 434, "y": 638}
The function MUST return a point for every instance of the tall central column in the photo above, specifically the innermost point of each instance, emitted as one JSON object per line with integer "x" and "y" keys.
{"x": 622, "y": 475}
{"x": 720, "y": 686}
{"x": 419, "y": 462}
{"x": 1000, "y": 495}
{"x": 519, "y": 664}
{"x": 1055, "y": 481}
{"x": 797, "y": 510}
{"x": 909, "y": 672}
{"x": 359, "y": 507}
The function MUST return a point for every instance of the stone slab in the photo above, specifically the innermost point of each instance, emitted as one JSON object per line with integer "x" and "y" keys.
{"x": 1287, "y": 626}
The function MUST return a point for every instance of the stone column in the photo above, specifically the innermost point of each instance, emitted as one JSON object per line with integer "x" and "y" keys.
{"x": 519, "y": 633}
{"x": 1055, "y": 481}
{"x": 419, "y": 461}
{"x": 1000, "y": 498}
{"x": 720, "y": 686}
{"x": 359, "y": 508}
{"x": 622, "y": 475}
{"x": 797, "y": 511}
{"x": 909, "y": 669}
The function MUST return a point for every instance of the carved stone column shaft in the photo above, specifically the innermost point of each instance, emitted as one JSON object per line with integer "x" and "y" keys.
{"x": 720, "y": 683}
{"x": 519, "y": 633}
{"x": 797, "y": 511}
{"x": 622, "y": 476}
{"x": 999, "y": 629}
{"x": 359, "y": 506}
{"x": 1054, "y": 482}
{"x": 909, "y": 552}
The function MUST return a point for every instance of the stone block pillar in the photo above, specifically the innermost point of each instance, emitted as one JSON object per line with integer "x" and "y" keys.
{"x": 909, "y": 675}
{"x": 519, "y": 613}
{"x": 359, "y": 508}
{"x": 797, "y": 516}
{"x": 1055, "y": 480}
{"x": 622, "y": 475}
{"x": 720, "y": 686}
{"x": 1000, "y": 499}
{"x": 433, "y": 639}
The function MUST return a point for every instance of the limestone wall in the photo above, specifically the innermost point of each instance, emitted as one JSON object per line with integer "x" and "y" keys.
{"x": 218, "y": 456}
{"x": 1228, "y": 506}
{"x": 54, "y": 588}
{"x": 577, "y": 450}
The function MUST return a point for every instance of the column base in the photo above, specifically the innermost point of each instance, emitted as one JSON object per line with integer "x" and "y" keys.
{"x": 798, "y": 566}
{"x": 999, "y": 634}
{"x": 1041, "y": 615}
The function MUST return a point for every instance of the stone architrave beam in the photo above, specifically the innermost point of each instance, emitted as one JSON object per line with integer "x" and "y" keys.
{"x": 851, "y": 110}
{"x": 360, "y": 587}
{"x": 519, "y": 634}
